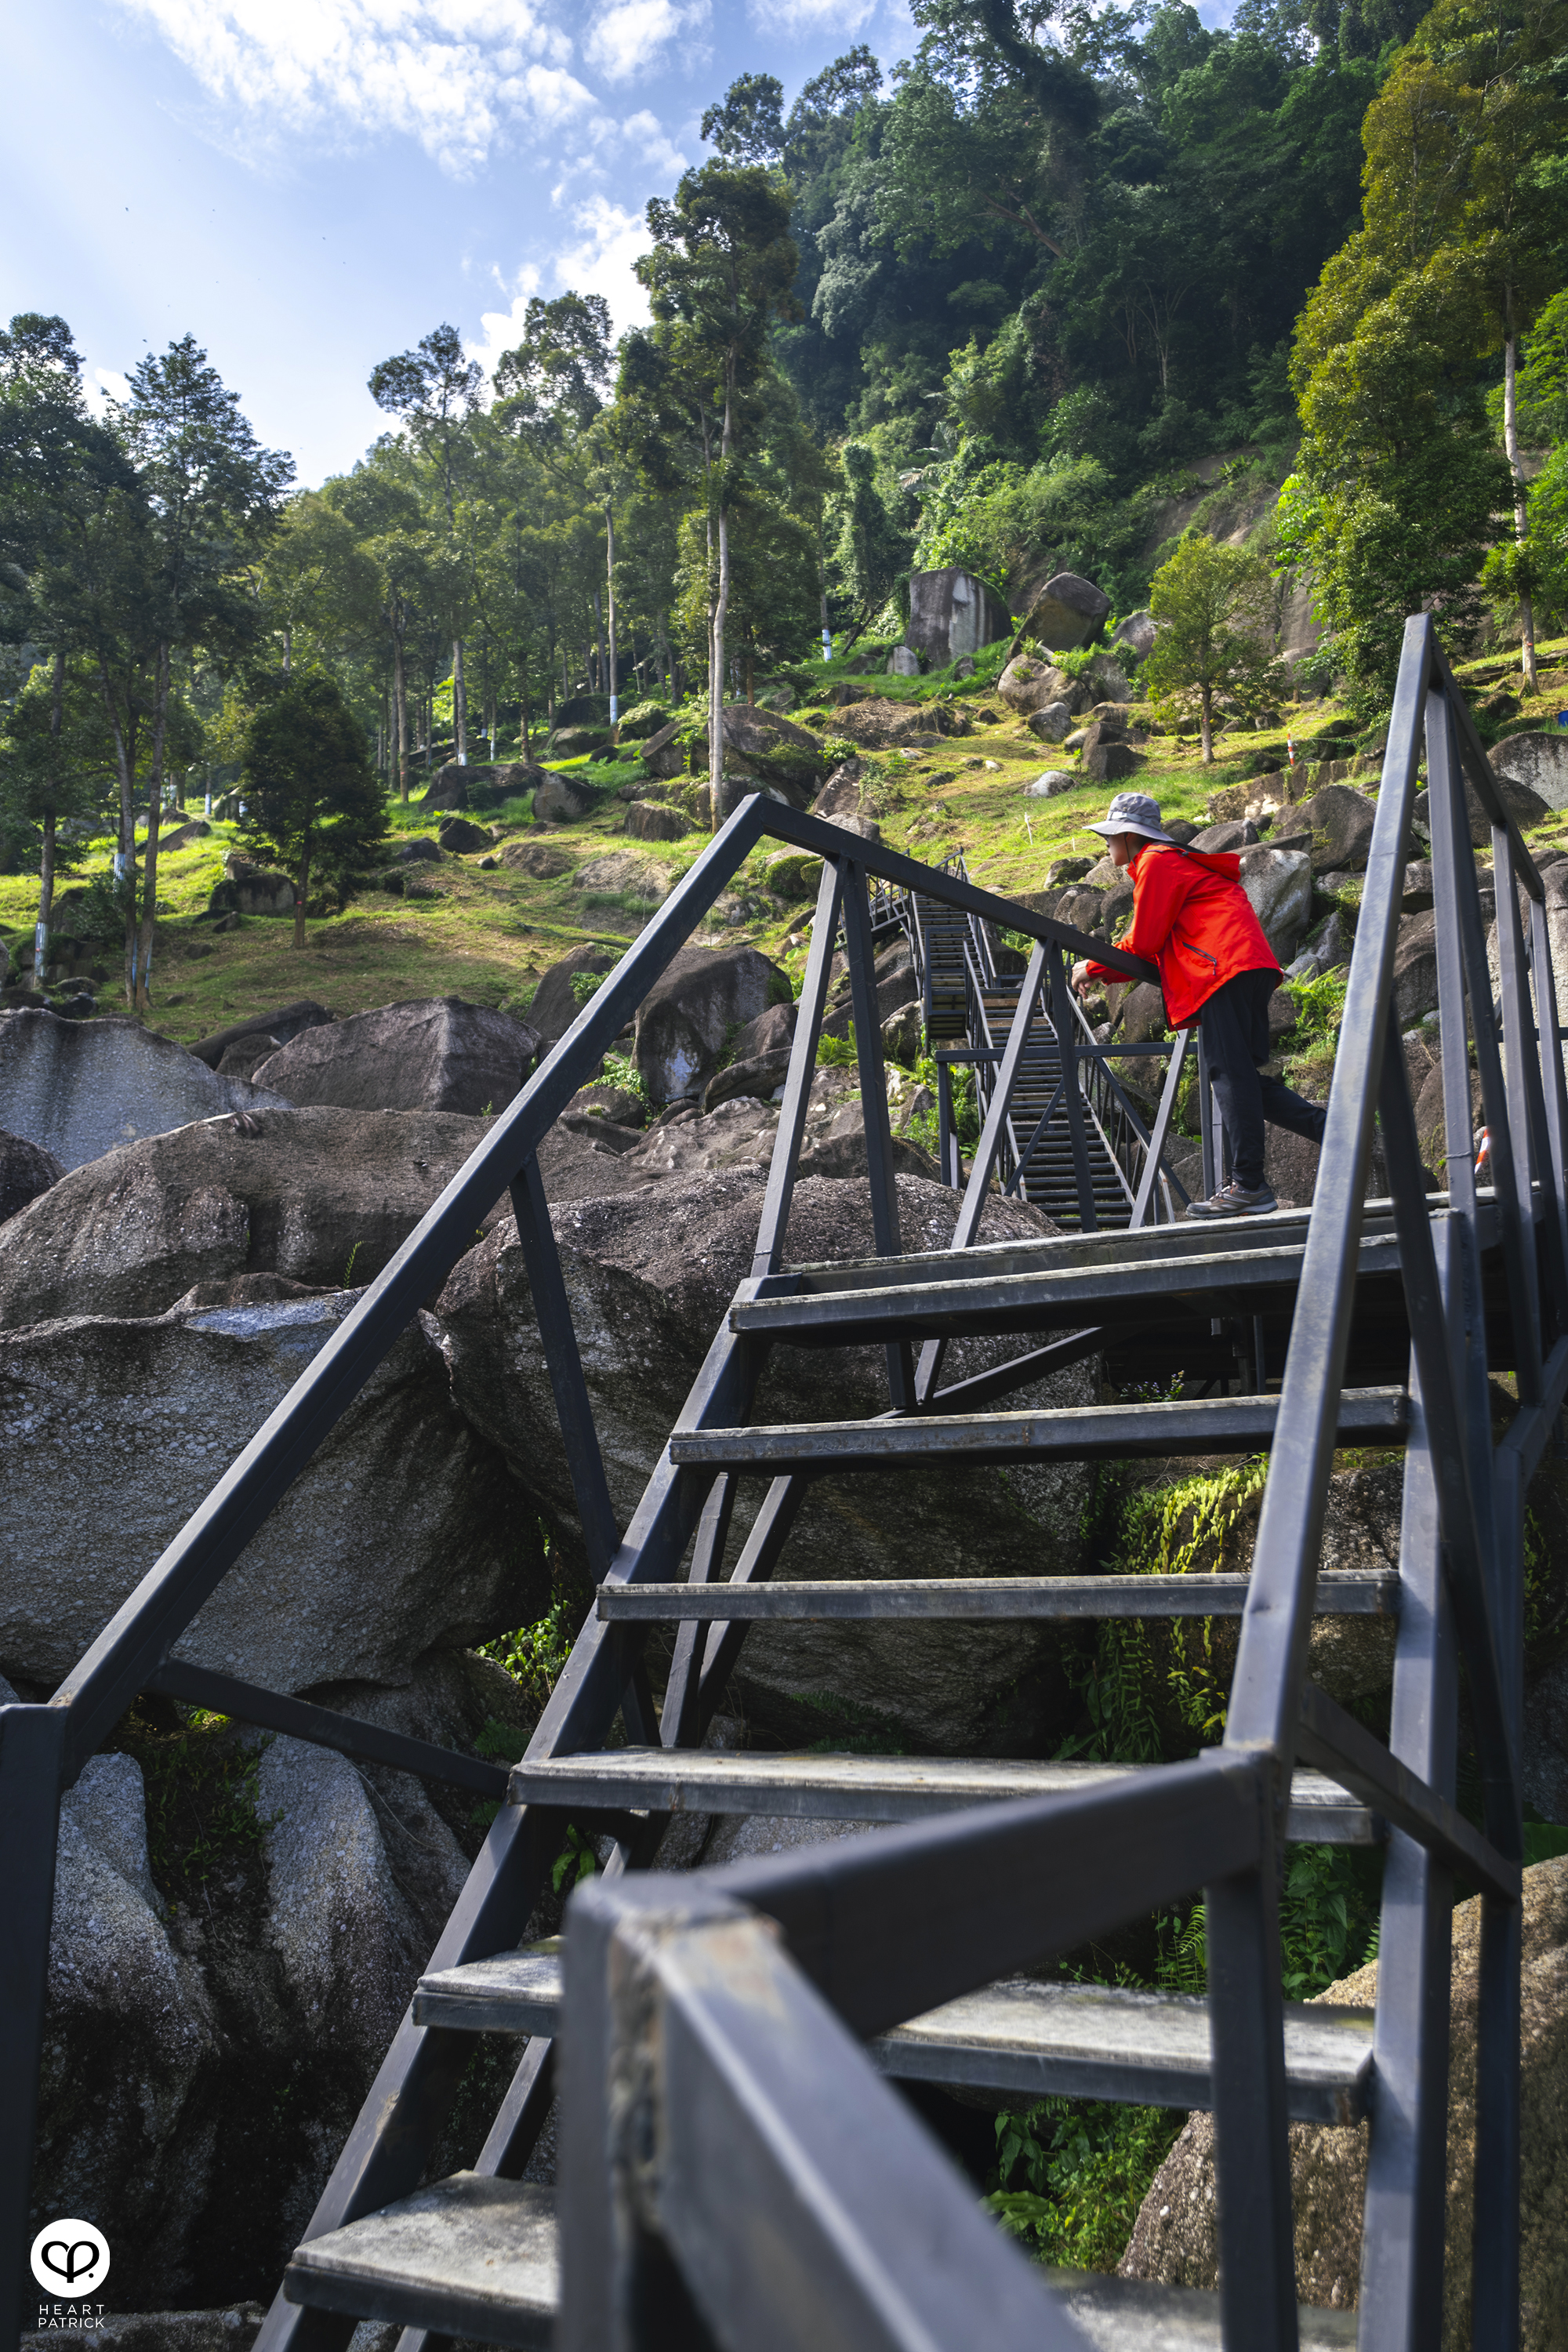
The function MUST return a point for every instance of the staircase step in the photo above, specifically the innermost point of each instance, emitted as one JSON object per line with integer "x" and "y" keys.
{"x": 1233, "y": 1270}
{"x": 1129, "y": 2316}
{"x": 977, "y": 1599}
{"x": 812, "y": 1787}
{"x": 471, "y": 2256}
{"x": 1019, "y": 2038}
{"x": 1077, "y": 1432}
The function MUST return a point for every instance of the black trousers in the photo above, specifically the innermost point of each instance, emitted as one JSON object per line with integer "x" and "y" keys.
{"x": 1236, "y": 1035}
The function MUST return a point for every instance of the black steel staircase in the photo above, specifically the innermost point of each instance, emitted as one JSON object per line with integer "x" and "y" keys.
{"x": 738, "y": 2168}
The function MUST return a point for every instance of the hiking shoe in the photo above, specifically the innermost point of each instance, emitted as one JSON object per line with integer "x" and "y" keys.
{"x": 1236, "y": 1200}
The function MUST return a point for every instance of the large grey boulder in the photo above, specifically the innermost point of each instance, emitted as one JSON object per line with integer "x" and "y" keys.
{"x": 1341, "y": 820}
{"x": 903, "y": 661}
{"x": 78, "y": 1088}
{"x": 204, "y": 2057}
{"x": 563, "y": 800}
{"x": 428, "y": 1053}
{"x": 772, "y": 752}
{"x": 1415, "y": 969}
{"x": 285, "y": 1022}
{"x": 316, "y": 1197}
{"x": 481, "y": 786}
{"x": 404, "y": 1531}
{"x": 1278, "y": 886}
{"x": 694, "y": 1009}
{"x": 1053, "y": 724}
{"x": 1175, "y": 2239}
{"x": 651, "y": 1275}
{"x": 557, "y": 1002}
{"x": 1537, "y": 763}
{"x": 248, "y": 889}
{"x": 26, "y": 1171}
{"x": 1067, "y": 612}
{"x": 1137, "y": 633}
{"x": 1029, "y": 684}
{"x": 952, "y": 613}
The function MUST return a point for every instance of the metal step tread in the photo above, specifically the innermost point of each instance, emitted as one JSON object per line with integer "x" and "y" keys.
{"x": 975, "y": 1301}
{"x": 1375, "y": 1416}
{"x": 1130, "y": 2315}
{"x": 818, "y": 1787}
{"x": 469, "y": 2257}
{"x": 976, "y": 1599}
{"x": 1019, "y": 2037}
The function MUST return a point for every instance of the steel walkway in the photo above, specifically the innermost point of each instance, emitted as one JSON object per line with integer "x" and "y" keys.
{"x": 738, "y": 2166}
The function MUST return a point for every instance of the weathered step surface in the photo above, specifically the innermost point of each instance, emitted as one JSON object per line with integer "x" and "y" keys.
{"x": 974, "y": 1599}
{"x": 1018, "y": 2038}
{"x": 469, "y": 2257}
{"x": 813, "y": 1787}
{"x": 1126, "y": 2315}
{"x": 1077, "y": 1433}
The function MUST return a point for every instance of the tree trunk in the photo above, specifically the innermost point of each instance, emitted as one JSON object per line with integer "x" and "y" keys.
{"x": 1206, "y": 722}
{"x": 400, "y": 704}
{"x": 459, "y": 704}
{"x": 610, "y": 606}
{"x": 721, "y": 620}
{"x": 522, "y": 698}
{"x": 142, "y": 999}
{"x": 125, "y": 855}
{"x": 287, "y": 647}
{"x": 301, "y": 889}
{"x": 822, "y": 579}
{"x": 1520, "y": 512}
{"x": 46, "y": 863}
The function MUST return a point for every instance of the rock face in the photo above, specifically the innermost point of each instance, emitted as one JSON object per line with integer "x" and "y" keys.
{"x": 459, "y": 837}
{"x": 556, "y": 1002}
{"x": 1278, "y": 886}
{"x": 563, "y": 800}
{"x": 903, "y": 661}
{"x": 1415, "y": 969}
{"x": 772, "y": 751}
{"x": 285, "y": 1022}
{"x": 430, "y": 1053}
{"x": 1137, "y": 633}
{"x": 1340, "y": 822}
{"x": 482, "y": 786}
{"x": 1067, "y": 612}
{"x": 26, "y": 1171}
{"x": 694, "y": 1008}
{"x": 1028, "y": 685}
{"x": 646, "y": 821}
{"x": 1053, "y": 724}
{"x": 952, "y": 614}
{"x": 78, "y": 1088}
{"x": 204, "y": 2061}
{"x": 250, "y": 889}
{"x": 1107, "y": 759}
{"x": 1174, "y": 2240}
{"x": 664, "y": 755}
{"x": 404, "y": 1530}
{"x": 314, "y": 1197}
{"x": 649, "y": 1275}
{"x": 1538, "y": 762}
{"x": 540, "y": 859}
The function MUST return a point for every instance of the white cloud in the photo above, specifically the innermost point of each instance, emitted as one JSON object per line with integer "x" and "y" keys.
{"x": 792, "y": 19}
{"x": 503, "y": 330}
{"x": 609, "y": 239}
{"x": 453, "y": 74}
{"x": 100, "y": 385}
{"x": 628, "y": 37}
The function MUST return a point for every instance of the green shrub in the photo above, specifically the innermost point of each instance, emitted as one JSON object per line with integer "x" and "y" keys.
{"x": 1084, "y": 2166}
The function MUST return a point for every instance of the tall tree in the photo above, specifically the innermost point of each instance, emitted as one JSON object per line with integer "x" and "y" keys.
{"x": 1213, "y": 605}
{"x": 213, "y": 496}
{"x": 435, "y": 389}
{"x": 311, "y": 800}
{"x": 719, "y": 276}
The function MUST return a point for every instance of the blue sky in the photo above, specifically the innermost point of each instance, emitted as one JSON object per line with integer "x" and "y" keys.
{"x": 309, "y": 185}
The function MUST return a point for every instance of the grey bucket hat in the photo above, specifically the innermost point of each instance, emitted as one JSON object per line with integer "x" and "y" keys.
{"x": 1134, "y": 813}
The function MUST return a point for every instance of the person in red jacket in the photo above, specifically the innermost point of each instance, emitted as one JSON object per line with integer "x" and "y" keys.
{"x": 1192, "y": 919}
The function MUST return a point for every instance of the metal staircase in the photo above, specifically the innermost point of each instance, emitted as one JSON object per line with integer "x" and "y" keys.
{"x": 1072, "y": 1143}
{"x": 737, "y": 2166}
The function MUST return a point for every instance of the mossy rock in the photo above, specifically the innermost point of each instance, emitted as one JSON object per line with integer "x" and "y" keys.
{"x": 645, "y": 719}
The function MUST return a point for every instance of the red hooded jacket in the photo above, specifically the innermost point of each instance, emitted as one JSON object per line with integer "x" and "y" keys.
{"x": 1192, "y": 917}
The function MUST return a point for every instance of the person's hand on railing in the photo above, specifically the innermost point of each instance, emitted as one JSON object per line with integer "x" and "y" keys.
{"x": 1081, "y": 979}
